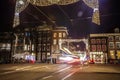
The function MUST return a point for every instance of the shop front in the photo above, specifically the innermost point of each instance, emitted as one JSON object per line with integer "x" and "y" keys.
{"x": 98, "y": 57}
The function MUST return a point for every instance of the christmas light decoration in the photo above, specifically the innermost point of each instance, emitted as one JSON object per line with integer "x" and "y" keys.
{"x": 22, "y": 4}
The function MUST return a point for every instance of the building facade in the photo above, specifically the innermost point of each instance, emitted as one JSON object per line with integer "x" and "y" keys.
{"x": 37, "y": 44}
{"x": 5, "y": 47}
{"x": 98, "y": 48}
{"x": 105, "y": 48}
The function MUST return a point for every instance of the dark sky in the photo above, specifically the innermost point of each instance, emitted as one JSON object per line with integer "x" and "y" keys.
{"x": 80, "y": 26}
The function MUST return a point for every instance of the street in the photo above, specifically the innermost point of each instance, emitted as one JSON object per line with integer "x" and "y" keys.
{"x": 59, "y": 72}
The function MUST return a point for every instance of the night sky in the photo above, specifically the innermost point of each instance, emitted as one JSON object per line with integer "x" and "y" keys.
{"x": 79, "y": 25}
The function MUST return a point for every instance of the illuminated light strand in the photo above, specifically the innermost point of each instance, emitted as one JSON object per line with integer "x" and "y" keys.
{"x": 51, "y": 2}
{"x": 96, "y": 17}
{"x": 94, "y": 4}
{"x": 22, "y": 4}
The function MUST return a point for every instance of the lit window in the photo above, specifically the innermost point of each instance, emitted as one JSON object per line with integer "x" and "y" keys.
{"x": 104, "y": 48}
{"x": 117, "y": 38}
{"x": 60, "y": 34}
{"x": 8, "y": 46}
{"x": 118, "y": 54}
{"x": 55, "y": 35}
{"x": 118, "y": 45}
{"x": 93, "y": 41}
{"x": 111, "y": 45}
{"x": 54, "y": 41}
{"x": 64, "y": 35}
{"x": 93, "y": 47}
{"x": 3, "y": 45}
{"x": 28, "y": 47}
{"x": 112, "y": 54}
{"x": 25, "y": 47}
{"x": 32, "y": 47}
{"x": 98, "y": 47}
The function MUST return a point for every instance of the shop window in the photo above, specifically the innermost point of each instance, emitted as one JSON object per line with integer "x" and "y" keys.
{"x": 98, "y": 41}
{"x": 118, "y": 54}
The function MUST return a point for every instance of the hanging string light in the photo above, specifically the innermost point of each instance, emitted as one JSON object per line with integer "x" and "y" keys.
{"x": 22, "y": 4}
{"x": 94, "y": 4}
{"x": 51, "y": 2}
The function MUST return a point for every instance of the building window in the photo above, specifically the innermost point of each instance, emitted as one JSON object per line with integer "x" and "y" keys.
{"x": 64, "y": 35}
{"x": 3, "y": 46}
{"x": 32, "y": 47}
{"x": 98, "y": 41}
{"x": 118, "y": 54}
{"x": 55, "y": 35}
{"x": 93, "y": 47}
{"x": 25, "y": 47}
{"x": 60, "y": 34}
{"x": 104, "y": 48}
{"x": 8, "y": 46}
{"x": 103, "y": 41}
{"x": 54, "y": 41}
{"x": 48, "y": 39}
{"x": 98, "y": 47}
{"x": 111, "y": 45}
{"x": 117, "y": 38}
{"x": 118, "y": 45}
{"x": 93, "y": 41}
{"x": 110, "y": 38}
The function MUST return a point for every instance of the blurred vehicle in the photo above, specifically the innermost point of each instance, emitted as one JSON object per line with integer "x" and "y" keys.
{"x": 69, "y": 59}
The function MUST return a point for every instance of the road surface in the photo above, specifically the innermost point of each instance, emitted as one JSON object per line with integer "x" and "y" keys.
{"x": 59, "y": 72}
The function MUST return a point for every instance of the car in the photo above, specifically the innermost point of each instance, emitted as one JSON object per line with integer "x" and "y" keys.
{"x": 69, "y": 59}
